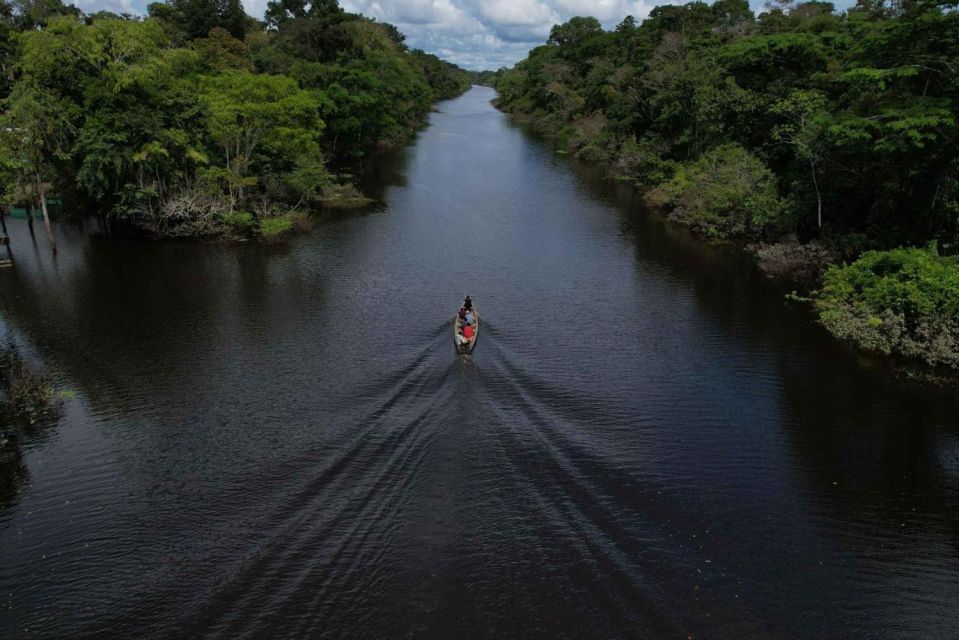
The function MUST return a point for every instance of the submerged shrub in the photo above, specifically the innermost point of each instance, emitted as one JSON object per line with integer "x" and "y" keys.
{"x": 588, "y": 137}
{"x": 272, "y": 228}
{"x": 903, "y": 301}
{"x": 240, "y": 222}
{"x": 301, "y": 221}
{"x": 790, "y": 259}
{"x": 640, "y": 160}
{"x": 726, "y": 193}
{"x": 344, "y": 196}
{"x": 28, "y": 394}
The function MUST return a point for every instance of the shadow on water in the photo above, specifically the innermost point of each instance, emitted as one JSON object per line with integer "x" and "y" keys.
{"x": 13, "y": 475}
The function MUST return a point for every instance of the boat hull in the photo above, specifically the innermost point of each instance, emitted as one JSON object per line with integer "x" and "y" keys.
{"x": 467, "y": 348}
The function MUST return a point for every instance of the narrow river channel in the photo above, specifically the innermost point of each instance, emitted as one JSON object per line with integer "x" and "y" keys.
{"x": 278, "y": 441}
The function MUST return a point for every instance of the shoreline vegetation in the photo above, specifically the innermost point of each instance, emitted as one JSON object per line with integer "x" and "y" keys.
{"x": 825, "y": 143}
{"x": 200, "y": 121}
{"x": 27, "y": 397}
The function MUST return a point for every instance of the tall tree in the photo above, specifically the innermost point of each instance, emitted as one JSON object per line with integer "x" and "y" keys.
{"x": 35, "y": 128}
{"x": 804, "y": 130}
{"x": 196, "y": 18}
{"x": 257, "y": 118}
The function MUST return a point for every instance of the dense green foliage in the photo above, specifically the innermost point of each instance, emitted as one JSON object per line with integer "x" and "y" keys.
{"x": 726, "y": 192}
{"x": 197, "y": 117}
{"x": 855, "y": 115}
{"x": 801, "y": 121}
{"x": 902, "y": 301}
{"x": 484, "y": 78}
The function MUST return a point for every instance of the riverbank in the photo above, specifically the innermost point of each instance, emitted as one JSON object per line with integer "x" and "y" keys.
{"x": 208, "y": 130}
{"x": 897, "y": 303}
{"x": 292, "y": 422}
{"x": 762, "y": 130}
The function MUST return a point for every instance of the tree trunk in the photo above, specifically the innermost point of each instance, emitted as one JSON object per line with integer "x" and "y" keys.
{"x": 815, "y": 183}
{"x": 5, "y": 238}
{"x": 46, "y": 216}
{"x": 6, "y": 234}
{"x": 30, "y": 204}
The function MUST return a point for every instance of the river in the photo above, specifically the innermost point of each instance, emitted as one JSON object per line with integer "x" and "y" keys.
{"x": 648, "y": 442}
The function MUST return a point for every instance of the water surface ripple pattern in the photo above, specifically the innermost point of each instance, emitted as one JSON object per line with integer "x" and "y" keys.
{"x": 278, "y": 441}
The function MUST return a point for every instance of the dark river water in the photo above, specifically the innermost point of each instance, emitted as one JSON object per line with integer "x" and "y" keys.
{"x": 279, "y": 442}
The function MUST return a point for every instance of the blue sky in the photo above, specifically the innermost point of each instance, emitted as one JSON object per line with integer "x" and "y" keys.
{"x": 476, "y": 34}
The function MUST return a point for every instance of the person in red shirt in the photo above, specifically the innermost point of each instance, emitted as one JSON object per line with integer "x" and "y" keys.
{"x": 468, "y": 332}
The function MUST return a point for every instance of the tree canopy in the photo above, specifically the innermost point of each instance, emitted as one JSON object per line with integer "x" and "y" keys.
{"x": 839, "y": 128}
{"x": 179, "y": 120}
{"x": 855, "y": 114}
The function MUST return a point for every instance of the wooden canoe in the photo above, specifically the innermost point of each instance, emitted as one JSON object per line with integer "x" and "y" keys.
{"x": 467, "y": 348}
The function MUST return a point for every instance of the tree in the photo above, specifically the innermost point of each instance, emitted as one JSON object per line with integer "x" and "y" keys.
{"x": 279, "y": 12}
{"x": 220, "y": 50}
{"x": 35, "y": 127}
{"x": 395, "y": 34}
{"x": 726, "y": 192}
{"x": 804, "y": 130}
{"x": 35, "y": 14}
{"x": 7, "y": 47}
{"x": 627, "y": 25}
{"x": 574, "y": 32}
{"x": 733, "y": 14}
{"x": 196, "y": 18}
{"x": 162, "y": 120}
{"x": 260, "y": 121}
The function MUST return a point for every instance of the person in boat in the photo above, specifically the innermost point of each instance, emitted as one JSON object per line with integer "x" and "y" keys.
{"x": 468, "y": 318}
{"x": 460, "y": 338}
{"x": 462, "y": 313}
{"x": 468, "y": 331}
{"x": 468, "y": 304}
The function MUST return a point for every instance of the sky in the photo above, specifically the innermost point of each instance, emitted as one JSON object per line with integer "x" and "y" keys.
{"x": 475, "y": 34}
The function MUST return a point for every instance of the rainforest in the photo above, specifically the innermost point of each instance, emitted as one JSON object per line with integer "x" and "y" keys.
{"x": 314, "y": 325}
{"x": 813, "y": 134}
{"x": 199, "y": 120}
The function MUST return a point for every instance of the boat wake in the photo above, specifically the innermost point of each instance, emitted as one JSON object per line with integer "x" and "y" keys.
{"x": 442, "y": 465}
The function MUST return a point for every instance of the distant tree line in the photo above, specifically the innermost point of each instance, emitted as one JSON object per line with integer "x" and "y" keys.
{"x": 836, "y": 128}
{"x": 199, "y": 119}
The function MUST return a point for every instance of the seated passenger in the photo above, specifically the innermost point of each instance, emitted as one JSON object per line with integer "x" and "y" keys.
{"x": 460, "y": 339}
{"x": 462, "y": 313}
{"x": 469, "y": 317}
{"x": 468, "y": 304}
{"x": 468, "y": 331}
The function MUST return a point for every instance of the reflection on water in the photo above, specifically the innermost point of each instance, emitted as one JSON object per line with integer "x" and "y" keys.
{"x": 647, "y": 442}
{"x": 13, "y": 475}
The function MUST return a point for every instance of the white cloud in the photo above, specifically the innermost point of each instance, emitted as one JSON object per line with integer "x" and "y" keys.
{"x": 487, "y": 34}
{"x": 603, "y": 10}
{"x": 113, "y": 6}
{"x": 516, "y": 13}
{"x": 477, "y": 34}
{"x": 255, "y": 8}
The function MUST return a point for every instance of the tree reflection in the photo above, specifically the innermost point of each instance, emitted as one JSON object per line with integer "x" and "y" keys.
{"x": 13, "y": 473}
{"x": 874, "y": 447}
